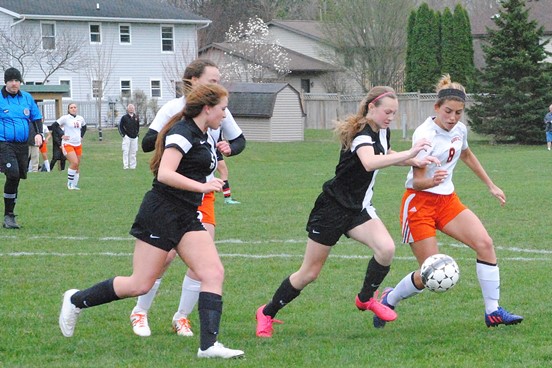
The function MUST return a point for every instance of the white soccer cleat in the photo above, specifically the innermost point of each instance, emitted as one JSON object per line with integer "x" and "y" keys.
{"x": 219, "y": 351}
{"x": 182, "y": 327}
{"x": 69, "y": 314}
{"x": 140, "y": 325}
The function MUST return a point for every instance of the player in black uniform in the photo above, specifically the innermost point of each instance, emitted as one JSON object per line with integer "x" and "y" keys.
{"x": 184, "y": 158}
{"x": 345, "y": 207}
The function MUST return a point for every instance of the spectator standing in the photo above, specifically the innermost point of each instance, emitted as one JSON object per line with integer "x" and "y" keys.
{"x": 129, "y": 128}
{"x": 548, "y": 124}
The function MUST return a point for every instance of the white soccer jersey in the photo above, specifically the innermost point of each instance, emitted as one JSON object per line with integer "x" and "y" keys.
{"x": 71, "y": 126}
{"x": 446, "y": 146}
{"x": 228, "y": 126}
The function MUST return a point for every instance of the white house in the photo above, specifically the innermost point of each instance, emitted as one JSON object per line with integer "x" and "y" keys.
{"x": 128, "y": 45}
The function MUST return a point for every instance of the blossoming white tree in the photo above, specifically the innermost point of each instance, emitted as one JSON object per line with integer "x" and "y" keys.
{"x": 253, "y": 56}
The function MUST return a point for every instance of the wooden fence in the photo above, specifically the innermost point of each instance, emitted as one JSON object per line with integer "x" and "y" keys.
{"x": 324, "y": 109}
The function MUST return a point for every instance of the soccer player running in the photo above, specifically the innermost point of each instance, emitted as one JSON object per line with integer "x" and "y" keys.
{"x": 430, "y": 203}
{"x": 345, "y": 207}
{"x": 183, "y": 165}
{"x": 199, "y": 71}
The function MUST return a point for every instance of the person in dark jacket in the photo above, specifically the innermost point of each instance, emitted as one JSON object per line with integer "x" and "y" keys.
{"x": 57, "y": 153}
{"x": 129, "y": 128}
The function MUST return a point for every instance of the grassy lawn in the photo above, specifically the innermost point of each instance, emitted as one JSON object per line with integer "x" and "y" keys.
{"x": 73, "y": 239}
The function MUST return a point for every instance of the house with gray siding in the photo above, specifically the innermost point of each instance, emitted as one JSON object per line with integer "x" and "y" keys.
{"x": 267, "y": 112}
{"x": 125, "y": 45}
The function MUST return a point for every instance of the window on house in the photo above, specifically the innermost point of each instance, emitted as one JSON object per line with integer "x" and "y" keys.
{"x": 96, "y": 89}
{"x": 167, "y": 38}
{"x": 155, "y": 88}
{"x": 126, "y": 90}
{"x": 179, "y": 89}
{"x": 33, "y": 83}
{"x": 95, "y": 33}
{"x": 124, "y": 33}
{"x": 48, "y": 36}
{"x": 305, "y": 85}
{"x": 66, "y": 82}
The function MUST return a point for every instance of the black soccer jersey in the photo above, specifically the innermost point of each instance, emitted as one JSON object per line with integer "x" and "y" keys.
{"x": 198, "y": 162}
{"x": 353, "y": 186}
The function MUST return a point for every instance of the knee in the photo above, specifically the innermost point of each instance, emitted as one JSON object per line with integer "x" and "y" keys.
{"x": 384, "y": 254}
{"x": 212, "y": 275}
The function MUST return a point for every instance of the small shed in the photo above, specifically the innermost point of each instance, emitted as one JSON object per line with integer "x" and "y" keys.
{"x": 47, "y": 92}
{"x": 267, "y": 112}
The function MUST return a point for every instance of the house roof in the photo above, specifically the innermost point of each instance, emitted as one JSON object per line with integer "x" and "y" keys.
{"x": 255, "y": 99}
{"x": 298, "y": 62}
{"x": 143, "y": 11}
{"x": 307, "y": 28}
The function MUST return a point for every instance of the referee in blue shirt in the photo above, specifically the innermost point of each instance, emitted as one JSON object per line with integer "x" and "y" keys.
{"x": 20, "y": 125}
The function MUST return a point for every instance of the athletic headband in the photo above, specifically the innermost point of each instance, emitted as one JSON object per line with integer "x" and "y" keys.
{"x": 451, "y": 92}
{"x": 381, "y": 96}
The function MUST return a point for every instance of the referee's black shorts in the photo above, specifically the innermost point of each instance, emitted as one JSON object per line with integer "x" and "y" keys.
{"x": 14, "y": 159}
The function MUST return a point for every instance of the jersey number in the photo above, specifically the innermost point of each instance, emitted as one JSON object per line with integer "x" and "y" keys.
{"x": 452, "y": 151}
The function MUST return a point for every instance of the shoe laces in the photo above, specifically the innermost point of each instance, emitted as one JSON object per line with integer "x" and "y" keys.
{"x": 266, "y": 323}
{"x": 183, "y": 323}
{"x": 140, "y": 320}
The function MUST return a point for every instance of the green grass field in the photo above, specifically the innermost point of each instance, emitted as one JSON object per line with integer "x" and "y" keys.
{"x": 74, "y": 239}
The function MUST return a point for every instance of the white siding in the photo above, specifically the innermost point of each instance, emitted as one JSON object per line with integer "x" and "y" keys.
{"x": 140, "y": 62}
{"x": 287, "y": 123}
{"x": 299, "y": 43}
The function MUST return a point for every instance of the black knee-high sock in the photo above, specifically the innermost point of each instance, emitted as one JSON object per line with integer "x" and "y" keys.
{"x": 101, "y": 293}
{"x": 284, "y": 295}
{"x": 375, "y": 273}
{"x": 210, "y": 311}
{"x": 10, "y": 195}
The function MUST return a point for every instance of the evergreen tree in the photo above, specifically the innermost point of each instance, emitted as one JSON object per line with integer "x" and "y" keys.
{"x": 424, "y": 58}
{"x": 465, "y": 52}
{"x": 449, "y": 55}
{"x": 410, "y": 82}
{"x": 515, "y": 82}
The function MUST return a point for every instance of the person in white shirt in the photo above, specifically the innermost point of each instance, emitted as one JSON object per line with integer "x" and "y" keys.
{"x": 74, "y": 128}
{"x": 430, "y": 203}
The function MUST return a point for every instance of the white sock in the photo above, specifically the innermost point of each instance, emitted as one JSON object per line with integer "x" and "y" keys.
{"x": 489, "y": 280}
{"x": 404, "y": 289}
{"x": 76, "y": 181}
{"x": 71, "y": 176}
{"x": 145, "y": 301}
{"x": 188, "y": 297}
{"x": 46, "y": 164}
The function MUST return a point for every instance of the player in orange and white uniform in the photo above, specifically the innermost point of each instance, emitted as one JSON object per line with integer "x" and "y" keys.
{"x": 430, "y": 203}
{"x": 74, "y": 128}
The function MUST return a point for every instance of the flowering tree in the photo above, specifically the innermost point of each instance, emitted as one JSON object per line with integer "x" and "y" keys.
{"x": 252, "y": 56}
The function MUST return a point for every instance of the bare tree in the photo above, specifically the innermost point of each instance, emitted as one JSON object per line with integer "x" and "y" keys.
{"x": 18, "y": 47}
{"x": 369, "y": 37}
{"x": 252, "y": 56}
{"x": 173, "y": 69}
{"x": 99, "y": 72}
{"x": 66, "y": 55}
{"x": 22, "y": 47}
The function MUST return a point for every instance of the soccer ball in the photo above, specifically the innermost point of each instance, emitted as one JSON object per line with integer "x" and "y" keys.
{"x": 439, "y": 273}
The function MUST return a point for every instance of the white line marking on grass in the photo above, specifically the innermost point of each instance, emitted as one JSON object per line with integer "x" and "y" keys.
{"x": 245, "y": 255}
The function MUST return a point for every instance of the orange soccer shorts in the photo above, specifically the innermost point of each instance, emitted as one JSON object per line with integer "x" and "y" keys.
{"x": 44, "y": 148}
{"x": 77, "y": 149}
{"x": 207, "y": 209}
{"x": 423, "y": 212}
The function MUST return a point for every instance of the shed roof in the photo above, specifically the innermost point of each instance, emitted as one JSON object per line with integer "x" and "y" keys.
{"x": 145, "y": 11}
{"x": 297, "y": 62}
{"x": 255, "y": 99}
